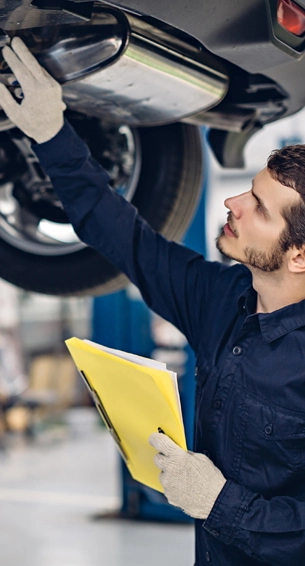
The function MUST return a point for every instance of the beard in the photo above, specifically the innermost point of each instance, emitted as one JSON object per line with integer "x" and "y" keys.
{"x": 269, "y": 261}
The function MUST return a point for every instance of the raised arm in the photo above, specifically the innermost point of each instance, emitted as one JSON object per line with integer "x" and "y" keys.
{"x": 174, "y": 281}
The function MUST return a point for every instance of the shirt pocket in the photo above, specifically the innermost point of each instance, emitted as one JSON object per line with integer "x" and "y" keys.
{"x": 272, "y": 449}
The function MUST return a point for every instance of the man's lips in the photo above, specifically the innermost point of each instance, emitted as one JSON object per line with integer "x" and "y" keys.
{"x": 228, "y": 232}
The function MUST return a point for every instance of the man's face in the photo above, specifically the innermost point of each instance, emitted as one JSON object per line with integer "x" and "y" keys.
{"x": 255, "y": 223}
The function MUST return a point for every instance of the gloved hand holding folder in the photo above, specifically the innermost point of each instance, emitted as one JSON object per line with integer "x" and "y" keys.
{"x": 135, "y": 396}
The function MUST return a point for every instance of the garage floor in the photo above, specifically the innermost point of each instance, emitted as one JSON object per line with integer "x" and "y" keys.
{"x": 51, "y": 489}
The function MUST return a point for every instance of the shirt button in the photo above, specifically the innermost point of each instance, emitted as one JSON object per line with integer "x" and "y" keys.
{"x": 215, "y": 533}
{"x": 217, "y": 404}
{"x": 237, "y": 350}
{"x": 268, "y": 429}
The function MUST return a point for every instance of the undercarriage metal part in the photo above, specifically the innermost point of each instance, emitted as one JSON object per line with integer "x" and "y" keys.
{"x": 111, "y": 71}
{"x": 229, "y": 146}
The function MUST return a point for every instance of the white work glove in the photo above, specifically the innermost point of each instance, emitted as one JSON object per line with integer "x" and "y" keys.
{"x": 190, "y": 480}
{"x": 40, "y": 114}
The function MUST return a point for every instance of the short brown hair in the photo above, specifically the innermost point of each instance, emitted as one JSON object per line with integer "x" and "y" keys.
{"x": 287, "y": 165}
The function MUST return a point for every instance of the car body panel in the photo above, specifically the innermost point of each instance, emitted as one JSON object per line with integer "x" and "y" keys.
{"x": 237, "y": 32}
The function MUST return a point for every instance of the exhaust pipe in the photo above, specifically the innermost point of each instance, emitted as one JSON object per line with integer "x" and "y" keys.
{"x": 111, "y": 70}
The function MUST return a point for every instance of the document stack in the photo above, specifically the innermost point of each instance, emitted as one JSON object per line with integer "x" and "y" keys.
{"x": 135, "y": 396}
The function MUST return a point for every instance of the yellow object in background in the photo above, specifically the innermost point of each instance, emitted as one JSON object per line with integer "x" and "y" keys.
{"x": 135, "y": 396}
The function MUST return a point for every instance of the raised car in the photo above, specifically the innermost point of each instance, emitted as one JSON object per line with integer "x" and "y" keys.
{"x": 139, "y": 80}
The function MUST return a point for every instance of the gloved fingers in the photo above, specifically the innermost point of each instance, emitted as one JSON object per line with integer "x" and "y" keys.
{"x": 20, "y": 71}
{"x": 166, "y": 481}
{"x": 27, "y": 58}
{"x": 9, "y": 105}
{"x": 160, "y": 461}
{"x": 162, "y": 443}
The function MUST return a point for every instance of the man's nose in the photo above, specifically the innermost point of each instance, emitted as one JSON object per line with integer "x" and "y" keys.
{"x": 232, "y": 204}
{"x": 235, "y": 204}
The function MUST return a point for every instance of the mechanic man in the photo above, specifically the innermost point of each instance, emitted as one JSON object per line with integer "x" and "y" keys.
{"x": 245, "y": 481}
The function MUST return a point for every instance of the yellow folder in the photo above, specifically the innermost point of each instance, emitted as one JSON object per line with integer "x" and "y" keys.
{"x": 135, "y": 396}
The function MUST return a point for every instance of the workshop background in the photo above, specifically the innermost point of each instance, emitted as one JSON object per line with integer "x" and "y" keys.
{"x": 66, "y": 498}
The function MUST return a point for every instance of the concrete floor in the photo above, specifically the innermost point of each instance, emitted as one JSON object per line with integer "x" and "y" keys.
{"x": 51, "y": 488}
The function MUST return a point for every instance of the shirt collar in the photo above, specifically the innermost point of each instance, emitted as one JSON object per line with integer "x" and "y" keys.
{"x": 275, "y": 324}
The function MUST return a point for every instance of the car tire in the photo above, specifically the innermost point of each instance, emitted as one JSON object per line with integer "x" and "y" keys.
{"x": 166, "y": 195}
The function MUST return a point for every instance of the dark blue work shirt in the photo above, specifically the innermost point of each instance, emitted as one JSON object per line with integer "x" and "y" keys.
{"x": 250, "y": 401}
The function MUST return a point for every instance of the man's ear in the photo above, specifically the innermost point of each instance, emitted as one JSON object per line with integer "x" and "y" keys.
{"x": 296, "y": 260}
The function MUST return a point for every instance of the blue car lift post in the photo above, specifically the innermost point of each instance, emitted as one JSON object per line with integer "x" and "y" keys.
{"x": 123, "y": 322}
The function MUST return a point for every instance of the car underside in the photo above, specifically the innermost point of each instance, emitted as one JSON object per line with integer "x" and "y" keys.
{"x": 139, "y": 80}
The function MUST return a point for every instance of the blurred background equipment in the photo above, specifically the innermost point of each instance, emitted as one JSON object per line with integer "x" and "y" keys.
{"x": 38, "y": 382}
{"x": 13, "y": 381}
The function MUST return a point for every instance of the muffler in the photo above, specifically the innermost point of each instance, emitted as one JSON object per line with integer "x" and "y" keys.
{"x": 111, "y": 70}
